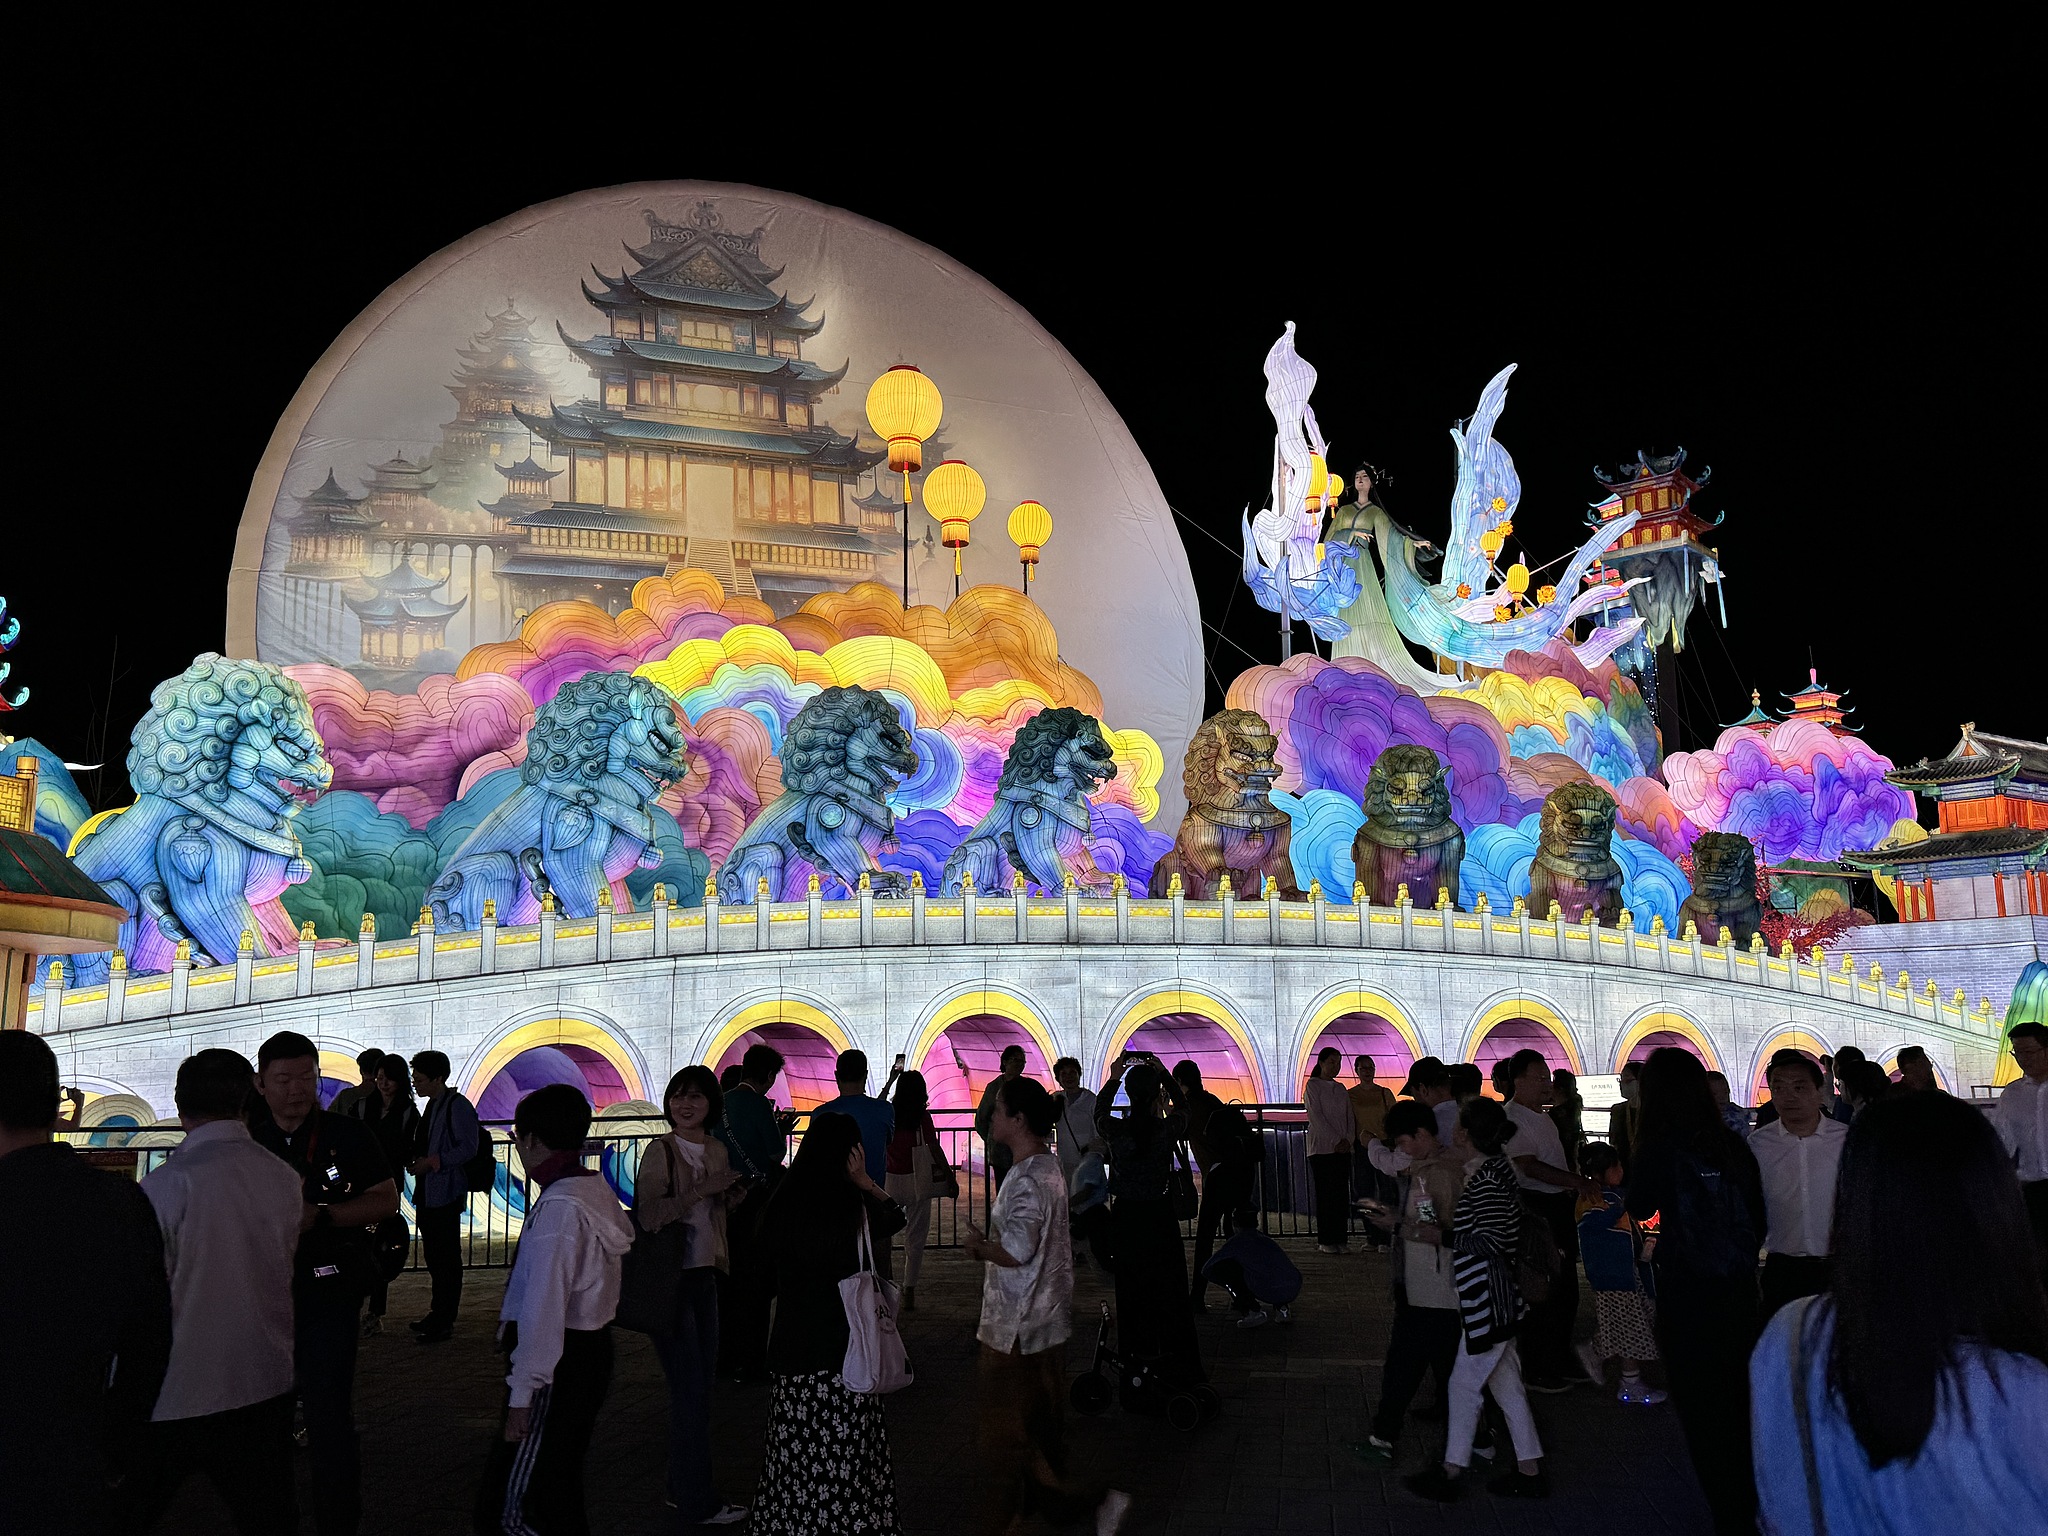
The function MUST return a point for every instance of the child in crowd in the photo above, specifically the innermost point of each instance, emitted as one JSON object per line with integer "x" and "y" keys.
{"x": 554, "y": 1324}
{"x": 1251, "y": 1267}
{"x": 1617, "y": 1258}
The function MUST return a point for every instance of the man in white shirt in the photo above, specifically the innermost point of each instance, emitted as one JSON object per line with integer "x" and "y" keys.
{"x": 2023, "y": 1125}
{"x": 1549, "y": 1187}
{"x": 1074, "y": 1118}
{"x": 1798, "y": 1155}
{"x": 1024, "y": 1323}
{"x": 230, "y": 1213}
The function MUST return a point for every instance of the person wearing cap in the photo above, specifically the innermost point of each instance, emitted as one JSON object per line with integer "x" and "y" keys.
{"x": 1429, "y": 1082}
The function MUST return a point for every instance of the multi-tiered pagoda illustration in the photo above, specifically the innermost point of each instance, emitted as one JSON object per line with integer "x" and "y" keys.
{"x": 705, "y": 445}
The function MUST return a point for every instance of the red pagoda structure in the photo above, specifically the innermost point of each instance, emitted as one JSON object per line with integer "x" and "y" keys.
{"x": 705, "y": 445}
{"x": 1991, "y": 799}
{"x": 1820, "y": 704}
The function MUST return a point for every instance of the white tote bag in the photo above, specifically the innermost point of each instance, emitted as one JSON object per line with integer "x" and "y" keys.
{"x": 875, "y": 1358}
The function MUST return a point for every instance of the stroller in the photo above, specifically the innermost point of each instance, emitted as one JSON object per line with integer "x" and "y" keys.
{"x": 1187, "y": 1408}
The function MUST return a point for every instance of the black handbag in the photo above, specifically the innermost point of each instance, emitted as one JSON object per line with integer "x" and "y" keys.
{"x": 391, "y": 1242}
{"x": 652, "y": 1271}
{"x": 1186, "y": 1202}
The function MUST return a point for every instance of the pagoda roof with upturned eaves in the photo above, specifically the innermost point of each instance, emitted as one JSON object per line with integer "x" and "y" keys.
{"x": 399, "y": 473}
{"x": 752, "y": 365}
{"x": 1993, "y": 843}
{"x": 404, "y": 593}
{"x": 579, "y": 514}
{"x": 329, "y": 503}
{"x": 1995, "y": 768}
{"x": 587, "y": 423}
{"x": 2032, "y": 755}
{"x": 564, "y": 565}
{"x": 527, "y": 469}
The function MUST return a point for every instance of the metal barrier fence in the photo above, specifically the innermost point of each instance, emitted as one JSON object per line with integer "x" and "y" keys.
{"x": 492, "y": 1224}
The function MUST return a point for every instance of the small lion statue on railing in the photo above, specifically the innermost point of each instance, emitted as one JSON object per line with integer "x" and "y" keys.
{"x": 1408, "y": 837}
{"x": 1232, "y": 826}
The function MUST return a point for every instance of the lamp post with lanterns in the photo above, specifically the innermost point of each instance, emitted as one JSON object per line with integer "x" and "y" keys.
{"x": 954, "y": 494}
{"x": 1030, "y": 527}
{"x": 904, "y": 409}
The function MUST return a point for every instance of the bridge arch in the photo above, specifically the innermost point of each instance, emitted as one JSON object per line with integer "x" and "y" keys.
{"x": 1511, "y": 1021}
{"x": 1787, "y": 1036}
{"x": 1191, "y": 1021}
{"x": 1890, "y": 1062}
{"x": 1660, "y": 1024}
{"x": 803, "y": 1026}
{"x": 989, "y": 1020}
{"x": 544, "y": 1045}
{"x": 1329, "y": 1015}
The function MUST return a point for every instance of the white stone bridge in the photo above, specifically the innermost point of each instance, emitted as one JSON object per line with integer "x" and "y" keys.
{"x": 1251, "y": 988}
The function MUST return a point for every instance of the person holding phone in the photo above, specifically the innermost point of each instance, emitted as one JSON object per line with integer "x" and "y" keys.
{"x": 915, "y": 1165}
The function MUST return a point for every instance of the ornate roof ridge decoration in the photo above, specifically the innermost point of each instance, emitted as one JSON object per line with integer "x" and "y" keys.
{"x": 2033, "y": 755}
{"x": 1997, "y": 766}
{"x": 1650, "y": 466}
{"x": 703, "y": 222}
{"x": 528, "y": 468}
{"x": 1945, "y": 847}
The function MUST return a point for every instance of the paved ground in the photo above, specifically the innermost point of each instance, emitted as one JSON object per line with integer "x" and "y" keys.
{"x": 1275, "y": 1461}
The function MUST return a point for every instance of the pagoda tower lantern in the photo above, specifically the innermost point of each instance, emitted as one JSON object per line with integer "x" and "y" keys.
{"x": 330, "y": 553}
{"x": 704, "y": 444}
{"x": 1758, "y": 719}
{"x": 1820, "y": 704}
{"x": 1668, "y": 547}
{"x": 402, "y": 619}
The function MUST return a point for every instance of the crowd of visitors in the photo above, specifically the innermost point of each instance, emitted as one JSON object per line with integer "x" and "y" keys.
{"x": 1840, "y": 1293}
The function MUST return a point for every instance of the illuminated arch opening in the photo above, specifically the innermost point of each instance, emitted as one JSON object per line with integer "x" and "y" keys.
{"x": 338, "y": 1070}
{"x": 959, "y": 1043}
{"x": 809, "y": 1038}
{"x": 1661, "y": 1028}
{"x": 1184, "y": 1024}
{"x": 966, "y": 1054}
{"x": 1785, "y": 1039}
{"x": 1520, "y": 1023}
{"x": 1362, "y": 1034}
{"x": 1891, "y": 1069}
{"x": 544, "y": 1051}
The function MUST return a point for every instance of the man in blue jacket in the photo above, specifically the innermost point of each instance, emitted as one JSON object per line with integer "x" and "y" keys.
{"x": 448, "y": 1138}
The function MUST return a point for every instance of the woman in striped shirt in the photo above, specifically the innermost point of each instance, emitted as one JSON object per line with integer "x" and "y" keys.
{"x": 1485, "y": 1238}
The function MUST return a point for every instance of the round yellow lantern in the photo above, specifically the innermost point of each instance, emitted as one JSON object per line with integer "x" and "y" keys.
{"x": 904, "y": 408}
{"x": 1334, "y": 488}
{"x": 954, "y": 493}
{"x": 1318, "y": 481}
{"x": 1030, "y": 527}
{"x": 1518, "y": 578}
{"x": 1490, "y": 542}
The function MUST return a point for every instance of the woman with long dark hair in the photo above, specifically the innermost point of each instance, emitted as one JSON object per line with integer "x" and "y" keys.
{"x": 687, "y": 1178}
{"x": 827, "y": 1468}
{"x": 1153, "y": 1322}
{"x": 387, "y": 1109}
{"x": 1914, "y": 1397}
{"x": 914, "y": 1159}
{"x": 1701, "y": 1181}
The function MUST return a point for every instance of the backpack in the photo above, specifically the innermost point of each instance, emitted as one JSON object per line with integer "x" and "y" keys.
{"x": 480, "y": 1172}
{"x": 1538, "y": 1259}
{"x": 1708, "y": 1230}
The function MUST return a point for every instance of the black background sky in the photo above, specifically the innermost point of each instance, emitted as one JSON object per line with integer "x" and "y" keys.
{"x": 1845, "y": 329}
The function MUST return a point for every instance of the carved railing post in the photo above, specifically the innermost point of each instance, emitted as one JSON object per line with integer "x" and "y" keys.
{"x": 487, "y": 938}
{"x": 1663, "y": 937}
{"x": 607, "y": 914}
{"x": 1228, "y": 898}
{"x": 245, "y": 967}
{"x": 1557, "y": 925}
{"x": 1521, "y": 916}
{"x": 865, "y": 895}
{"x": 1020, "y": 900}
{"x": 1362, "y": 905}
{"x": 710, "y": 916}
{"x": 814, "y": 914}
{"x": 303, "y": 983}
{"x": 425, "y": 950}
{"x": 1121, "y": 890}
{"x": 1321, "y": 909}
{"x": 1446, "y": 925}
{"x": 661, "y": 909}
{"x": 1405, "y": 909}
{"x": 549, "y": 920}
{"x": 1072, "y": 892}
{"x": 967, "y": 894}
{"x": 1485, "y": 910}
{"x": 1177, "y": 907}
{"x": 53, "y": 998}
{"x": 764, "y": 918}
{"x": 181, "y": 976}
{"x": 366, "y": 952}
{"x": 917, "y": 906}
{"x": 117, "y": 988}
{"x": 1272, "y": 895}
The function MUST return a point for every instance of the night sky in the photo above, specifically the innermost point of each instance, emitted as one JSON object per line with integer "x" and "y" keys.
{"x": 1849, "y": 346}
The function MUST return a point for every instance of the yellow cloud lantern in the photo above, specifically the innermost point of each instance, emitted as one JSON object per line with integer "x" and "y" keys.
{"x": 1030, "y": 527}
{"x": 904, "y": 408}
{"x": 954, "y": 494}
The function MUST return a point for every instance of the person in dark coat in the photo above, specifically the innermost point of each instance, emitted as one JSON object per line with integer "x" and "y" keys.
{"x": 1152, "y": 1317}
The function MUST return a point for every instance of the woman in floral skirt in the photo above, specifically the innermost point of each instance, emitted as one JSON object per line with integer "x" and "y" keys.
{"x": 827, "y": 1468}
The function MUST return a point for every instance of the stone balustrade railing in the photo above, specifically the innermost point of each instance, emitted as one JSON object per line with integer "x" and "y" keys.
{"x": 975, "y": 919}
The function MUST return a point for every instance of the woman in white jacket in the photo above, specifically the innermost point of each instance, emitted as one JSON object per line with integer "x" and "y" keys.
{"x": 1331, "y": 1126}
{"x": 559, "y": 1301}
